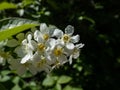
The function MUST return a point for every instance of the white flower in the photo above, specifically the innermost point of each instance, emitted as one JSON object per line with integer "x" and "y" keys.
{"x": 75, "y": 52}
{"x": 67, "y": 39}
{"x": 28, "y": 47}
{"x": 58, "y": 56}
{"x": 41, "y": 63}
{"x": 20, "y": 69}
{"x": 43, "y": 34}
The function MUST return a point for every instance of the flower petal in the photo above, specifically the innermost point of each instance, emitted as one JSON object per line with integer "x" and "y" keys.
{"x": 70, "y": 59}
{"x": 79, "y": 45}
{"x": 69, "y": 30}
{"x": 26, "y": 58}
{"x": 70, "y": 46}
{"x": 43, "y": 28}
{"x": 58, "y": 33}
{"x": 75, "y": 39}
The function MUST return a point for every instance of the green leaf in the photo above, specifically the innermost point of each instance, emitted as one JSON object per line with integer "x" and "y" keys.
{"x": 16, "y": 87}
{"x": 58, "y": 87}
{"x": 12, "y": 26}
{"x": 68, "y": 87}
{"x": 64, "y": 79}
{"x": 49, "y": 81}
{"x": 6, "y": 5}
{"x": 5, "y": 72}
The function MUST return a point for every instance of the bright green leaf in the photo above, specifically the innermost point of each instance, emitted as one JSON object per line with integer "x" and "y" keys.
{"x": 64, "y": 79}
{"x": 9, "y": 32}
{"x": 6, "y": 5}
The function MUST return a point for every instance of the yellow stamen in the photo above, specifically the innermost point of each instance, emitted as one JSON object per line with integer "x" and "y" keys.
{"x": 58, "y": 51}
{"x": 46, "y": 36}
{"x": 26, "y": 64}
{"x": 41, "y": 46}
{"x": 41, "y": 62}
{"x": 66, "y": 38}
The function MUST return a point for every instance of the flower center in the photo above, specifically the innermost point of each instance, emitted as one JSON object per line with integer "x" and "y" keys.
{"x": 26, "y": 64}
{"x": 46, "y": 36}
{"x": 66, "y": 38}
{"x": 41, "y": 46}
{"x": 58, "y": 51}
{"x": 41, "y": 63}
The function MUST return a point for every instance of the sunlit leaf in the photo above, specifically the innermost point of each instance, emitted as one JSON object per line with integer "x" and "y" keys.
{"x": 13, "y": 26}
{"x": 6, "y": 5}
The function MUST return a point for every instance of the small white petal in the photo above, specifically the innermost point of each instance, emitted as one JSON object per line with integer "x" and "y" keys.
{"x": 36, "y": 34}
{"x": 70, "y": 46}
{"x": 51, "y": 43}
{"x": 62, "y": 59}
{"x": 70, "y": 59}
{"x": 43, "y": 28}
{"x": 29, "y": 37}
{"x": 75, "y": 38}
{"x": 24, "y": 42}
{"x": 26, "y": 58}
{"x": 79, "y": 45}
{"x": 58, "y": 33}
{"x": 76, "y": 54}
{"x": 69, "y": 30}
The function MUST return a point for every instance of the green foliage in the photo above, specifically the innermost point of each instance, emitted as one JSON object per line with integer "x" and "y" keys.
{"x": 6, "y": 5}
{"x": 14, "y": 26}
{"x": 64, "y": 79}
{"x": 48, "y": 81}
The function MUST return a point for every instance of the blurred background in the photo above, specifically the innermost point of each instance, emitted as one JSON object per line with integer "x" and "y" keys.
{"x": 98, "y": 24}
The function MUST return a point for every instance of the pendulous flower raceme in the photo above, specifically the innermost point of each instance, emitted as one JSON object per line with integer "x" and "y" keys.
{"x": 45, "y": 49}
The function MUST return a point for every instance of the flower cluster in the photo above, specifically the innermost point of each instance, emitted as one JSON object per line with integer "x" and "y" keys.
{"x": 46, "y": 49}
